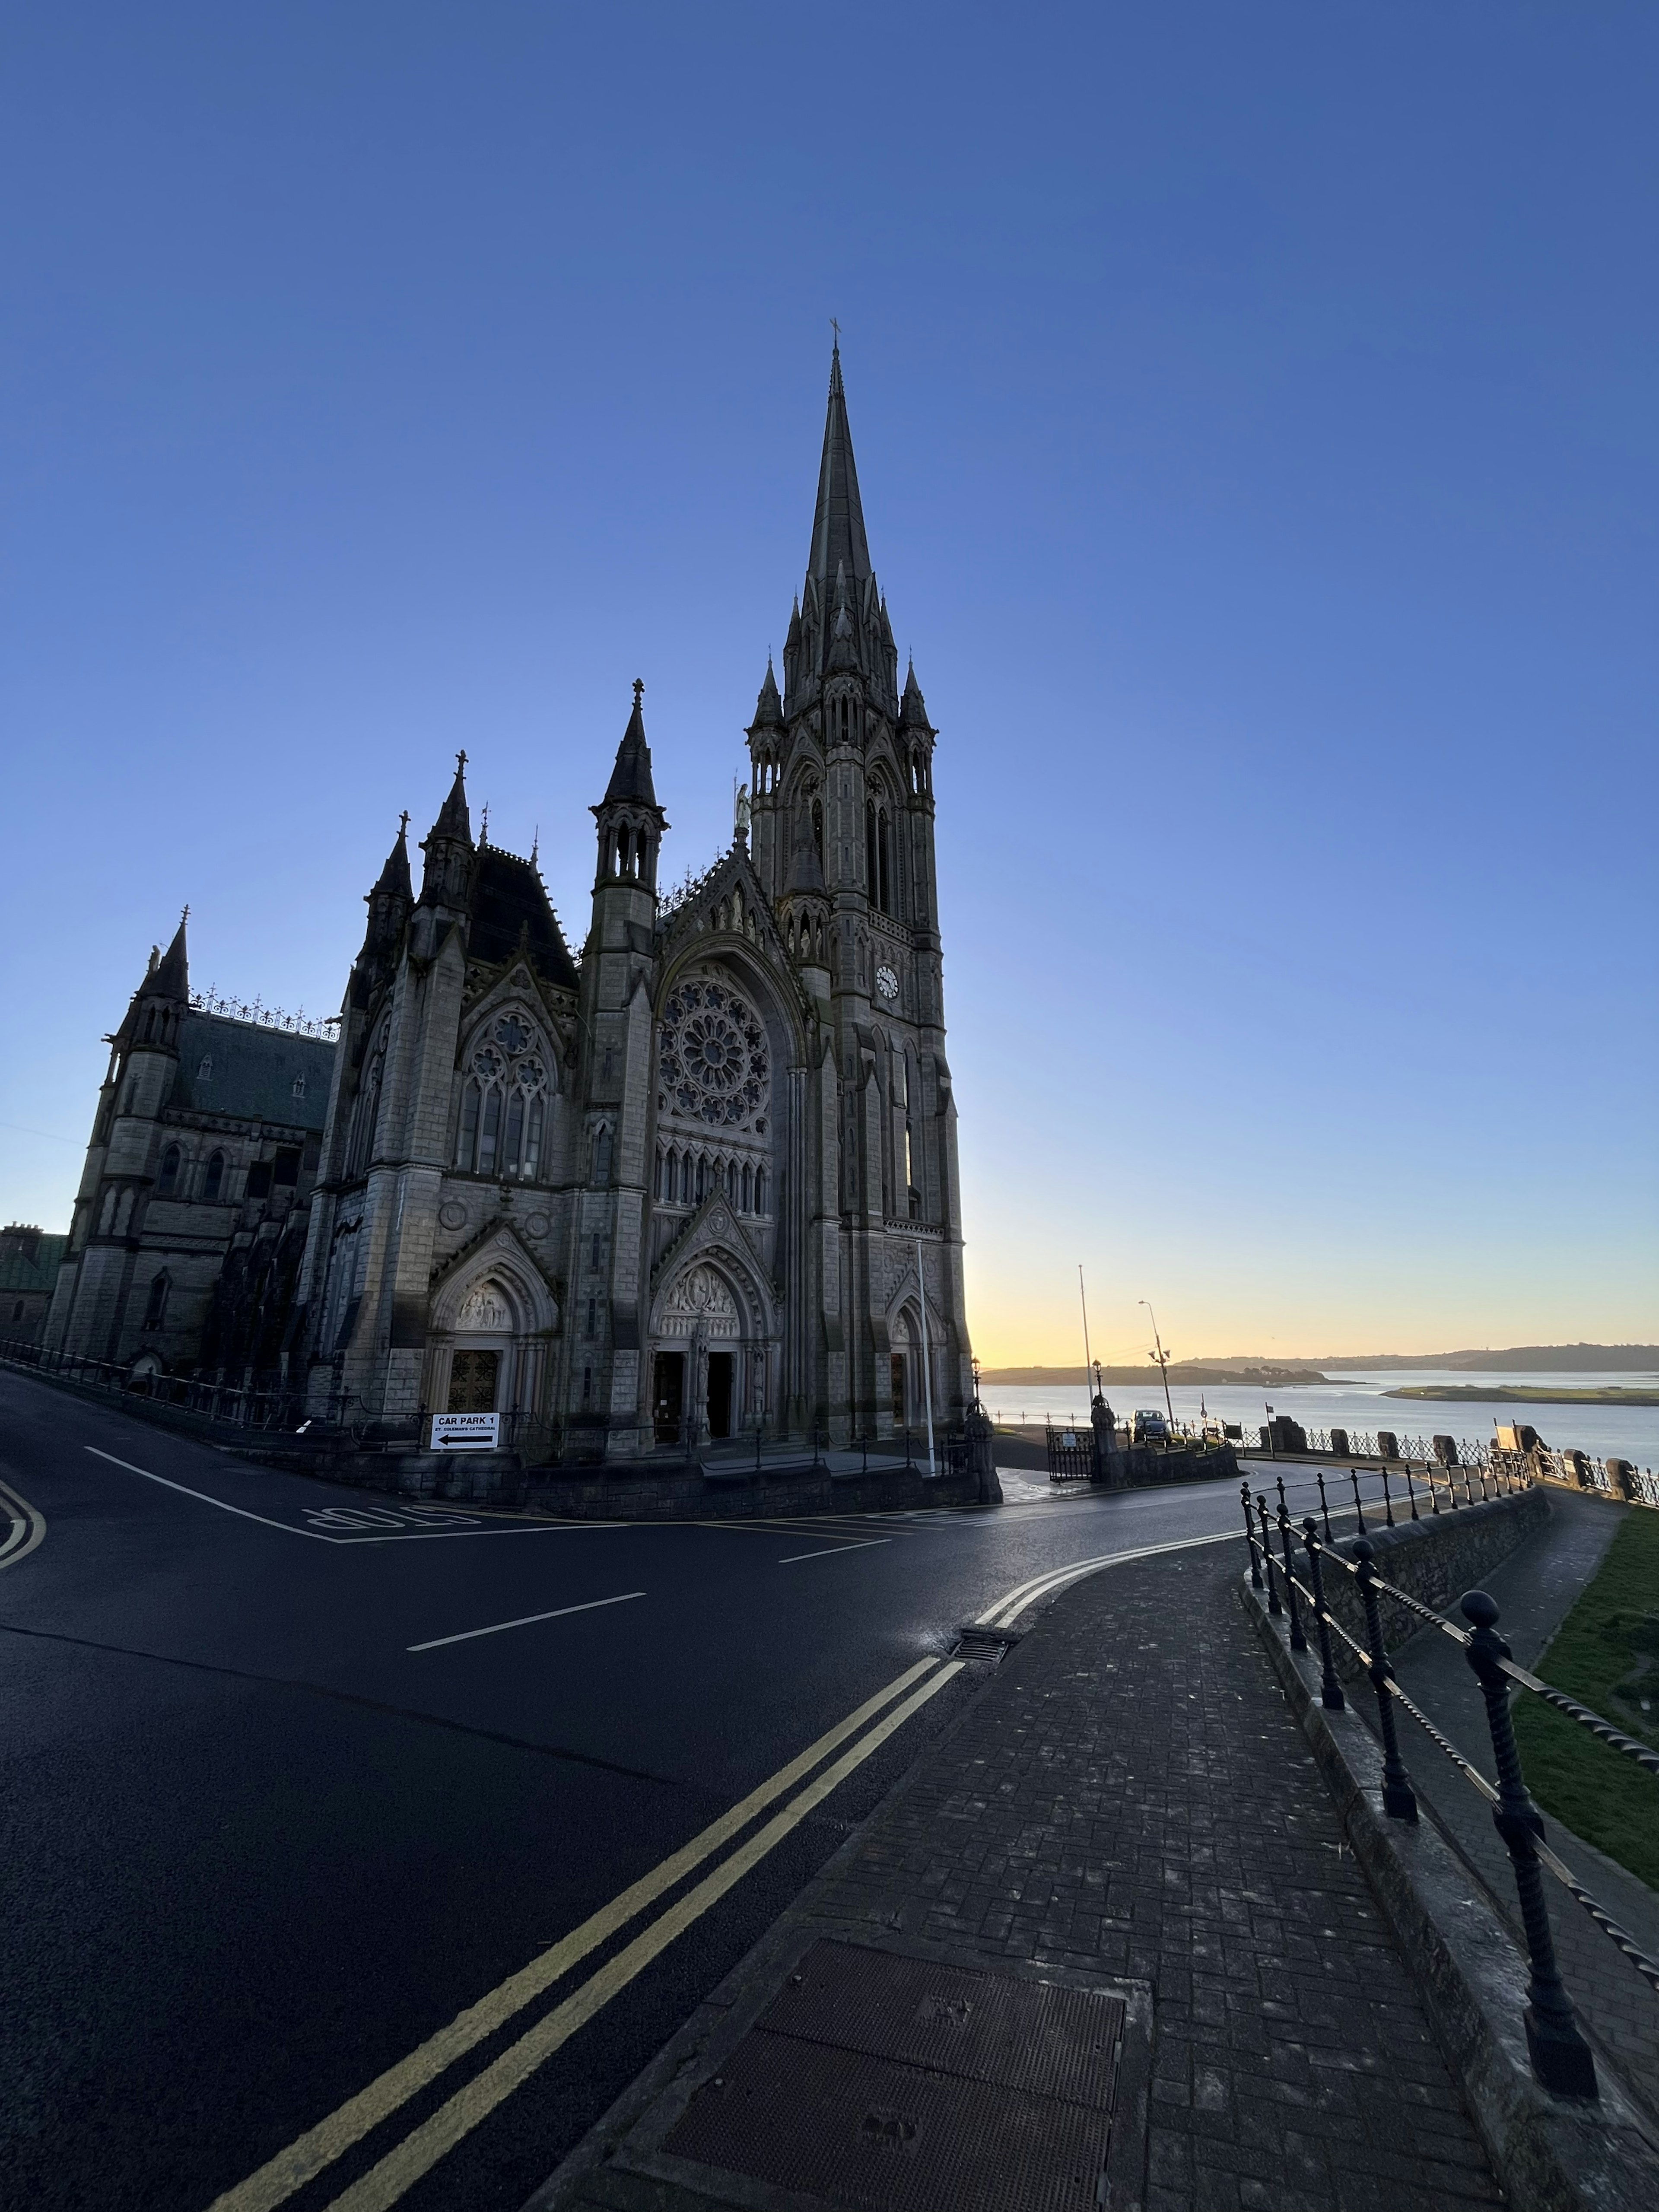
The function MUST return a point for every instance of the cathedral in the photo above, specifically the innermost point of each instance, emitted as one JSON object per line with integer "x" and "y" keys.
{"x": 694, "y": 1184}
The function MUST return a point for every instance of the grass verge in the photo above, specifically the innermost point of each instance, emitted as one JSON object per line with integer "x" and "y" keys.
{"x": 1606, "y": 1653}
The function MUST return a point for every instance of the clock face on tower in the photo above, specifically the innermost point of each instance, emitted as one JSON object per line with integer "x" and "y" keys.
{"x": 887, "y": 983}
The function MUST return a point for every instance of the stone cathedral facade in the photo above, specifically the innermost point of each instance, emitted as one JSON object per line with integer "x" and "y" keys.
{"x": 700, "y": 1181}
{"x": 678, "y": 1192}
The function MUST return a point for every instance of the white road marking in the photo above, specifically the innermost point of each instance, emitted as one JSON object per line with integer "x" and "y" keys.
{"x": 400, "y": 1537}
{"x": 1008, "y": 1609}
{"x": 835, "y": 1551}
{"x": 29, "y": 1527}
{"x": 316, "y": 1535}
{"x": 522, "y": 1621}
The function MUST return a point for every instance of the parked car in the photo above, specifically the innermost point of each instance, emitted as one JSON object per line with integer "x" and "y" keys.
{"x": 1150, "y": 1427}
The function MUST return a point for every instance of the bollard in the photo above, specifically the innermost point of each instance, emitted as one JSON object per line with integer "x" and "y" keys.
{"x": 1273, "y": 1606}
{"x": 1398, "y": 1798}
{"x": 1561, "y": 2058}
{"x": 1249, "y": 1537}
{"x": 1324, "y": 1508}
{"x": 1358, "y": 1509}
{"x": 1298, "y": 1641}
{"x": 1330, "y": 1690}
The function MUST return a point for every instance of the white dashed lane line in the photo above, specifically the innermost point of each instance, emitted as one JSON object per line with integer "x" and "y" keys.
{"x": 525, "y": 1620}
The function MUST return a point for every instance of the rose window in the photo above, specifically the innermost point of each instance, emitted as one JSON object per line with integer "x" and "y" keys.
{"x": 713, "y": 1063}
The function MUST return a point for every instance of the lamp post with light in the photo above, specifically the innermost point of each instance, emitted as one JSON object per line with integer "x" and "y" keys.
{"x": 1160, "y": 1360}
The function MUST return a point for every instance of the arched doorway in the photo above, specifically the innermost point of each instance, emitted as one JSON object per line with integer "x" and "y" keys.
{"x": 492, "y": 1321}
{"x": 711, "y": 1356}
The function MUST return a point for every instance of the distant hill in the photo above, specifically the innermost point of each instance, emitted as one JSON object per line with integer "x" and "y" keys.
{"x": 1518, "y": 1359}
{"x": 1247, "y": 1367}
{"x": 1193, "y": 1371}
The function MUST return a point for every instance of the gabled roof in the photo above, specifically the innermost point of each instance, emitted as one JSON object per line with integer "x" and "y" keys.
{"x": 510, "y": 905}
{"x": 690, "y": 919}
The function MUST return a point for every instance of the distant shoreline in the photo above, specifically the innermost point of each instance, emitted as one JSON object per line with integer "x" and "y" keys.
{"x": 1472, "y": 1394}
{"x": 1190, "y": 1372}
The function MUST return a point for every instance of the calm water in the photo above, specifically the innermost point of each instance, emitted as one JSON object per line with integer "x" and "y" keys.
{"x": 1357, "y": 1401}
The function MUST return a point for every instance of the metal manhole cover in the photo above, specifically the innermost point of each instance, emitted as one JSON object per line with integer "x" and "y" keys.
{"x": 902, "y": 2085}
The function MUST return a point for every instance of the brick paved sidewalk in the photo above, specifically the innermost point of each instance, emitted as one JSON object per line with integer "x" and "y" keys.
{"x": 1131, "y": 1797}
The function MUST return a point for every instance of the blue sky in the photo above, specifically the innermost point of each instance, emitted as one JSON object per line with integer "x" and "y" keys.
{"x": 1253, "y": 412}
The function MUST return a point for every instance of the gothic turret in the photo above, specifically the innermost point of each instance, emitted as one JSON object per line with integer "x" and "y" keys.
{"x": 152, "y": 1018}
{"x": 631, "y": 822}
{"x": 768, "y": 708}
{"x": 448, "y": 848}
{"x": 394, "y": 894}
{"x": 389, "y": 903}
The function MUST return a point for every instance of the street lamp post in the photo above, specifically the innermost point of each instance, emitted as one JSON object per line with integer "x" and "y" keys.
{"x": 1161, "y": 1360}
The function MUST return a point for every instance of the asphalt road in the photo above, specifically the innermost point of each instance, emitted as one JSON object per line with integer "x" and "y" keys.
{"x": 289, "y": 1842}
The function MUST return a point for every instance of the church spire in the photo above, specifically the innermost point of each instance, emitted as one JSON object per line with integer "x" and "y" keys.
{"x": 448, "y": 846}
{"x": 630, "y": 779}
{"x": 838, "y": 539}
{"x": 631, "y": 822}
{"x": 171, "y": 978}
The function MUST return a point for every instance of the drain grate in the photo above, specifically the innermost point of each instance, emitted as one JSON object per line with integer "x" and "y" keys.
{"x": 990, "y": 1644}
{"x": 899, "y": 2084}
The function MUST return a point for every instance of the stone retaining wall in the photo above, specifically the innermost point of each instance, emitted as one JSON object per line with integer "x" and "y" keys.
{"x": 1436, "y": 1560}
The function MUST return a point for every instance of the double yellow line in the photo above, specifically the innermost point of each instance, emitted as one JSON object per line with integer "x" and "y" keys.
{"x": 853, "y": 1739}
{"x": 418, "y": 2152}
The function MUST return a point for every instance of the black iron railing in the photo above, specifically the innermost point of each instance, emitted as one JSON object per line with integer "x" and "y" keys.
{"x": 269, "y": 1406}
{"x": 1561, "y": 2058}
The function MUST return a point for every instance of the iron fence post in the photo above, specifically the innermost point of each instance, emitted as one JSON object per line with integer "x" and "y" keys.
{"x": 1330, "y": 1690}
{"x": 1324, "y": 1507}
{"x": 1358, "y": 1509}
{"x": 1273, "y": 1606}
{"x": 1298, "y": 1641}
{"x": 1387, "y": 1502}
{"x": 1410, "y": 1495}
{"x": 1249, "y": 1537}
{"x": 1561, "y": 2058}
{"x": 1398, "y": 1798}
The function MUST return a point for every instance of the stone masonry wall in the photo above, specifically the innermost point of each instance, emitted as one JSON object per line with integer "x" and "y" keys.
{"x": 1436, "y": 1560}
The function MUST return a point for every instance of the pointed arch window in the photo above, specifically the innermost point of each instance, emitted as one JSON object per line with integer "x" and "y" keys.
{"x": 504, "y": 1104}
{"x": 213, "y": 1180}
{"x": 168, "y": 1182}
{"x": 156, "y": 1309}
{"x": 602, "y": 1155}
{"x": 366, "y": 1109}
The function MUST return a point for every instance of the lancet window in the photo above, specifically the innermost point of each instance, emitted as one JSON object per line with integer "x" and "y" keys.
{"x": 366, "y": 1107}
{"x": 503, "y": 1122}
{"x": 686, "y": 1177}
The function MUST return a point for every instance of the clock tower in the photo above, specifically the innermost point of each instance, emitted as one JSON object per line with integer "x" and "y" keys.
{"x": 843, "y": 811}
